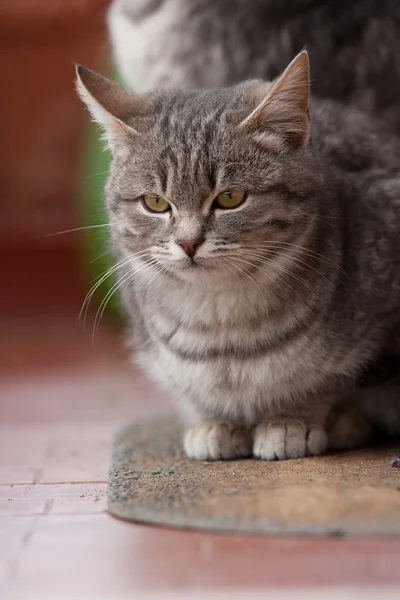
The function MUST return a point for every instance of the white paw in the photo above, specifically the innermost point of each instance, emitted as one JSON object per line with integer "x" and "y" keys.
{"x": 348, "y": 429}
{"x": 216, "y": 441}
{"x": 288, "y": 439}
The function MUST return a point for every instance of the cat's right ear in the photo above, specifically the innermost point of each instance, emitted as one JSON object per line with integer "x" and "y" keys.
{"x": 282, "y": 114}
{"x": 109, "y": 104}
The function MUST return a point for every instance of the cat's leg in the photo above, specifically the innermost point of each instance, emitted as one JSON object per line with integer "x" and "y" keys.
{"x": 216, "y": 440}
{"x": 283, "y": 438}
{"x": 347, "y": 427}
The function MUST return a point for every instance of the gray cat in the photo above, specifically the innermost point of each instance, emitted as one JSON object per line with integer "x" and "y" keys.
{"x": 258, "y": 241}
{"x": 354, "y": 46}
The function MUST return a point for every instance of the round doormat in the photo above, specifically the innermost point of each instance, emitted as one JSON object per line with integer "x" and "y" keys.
{"x": 151, "y": 481}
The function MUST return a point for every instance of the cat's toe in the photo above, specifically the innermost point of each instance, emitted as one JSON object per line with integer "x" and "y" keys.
{"x": 216, "y": 441}
{"x": 279, "y": 440}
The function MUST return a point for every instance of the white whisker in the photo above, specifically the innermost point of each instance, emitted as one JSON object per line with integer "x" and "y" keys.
{"x": 282, "y": 245}
{"x": 259, "y": 255}
{"x": 97, "y": 174}
{"x": 251, "y": 277}
{"x": 126, "y": 277}
{"x": 148, "y": 283}
{"x": 115, "y": 267}
{"x": 78, "y": 229}
{"x": 100, "y": 256}
{"x": 280, "y": 287}
{"x": 108, "y": 273}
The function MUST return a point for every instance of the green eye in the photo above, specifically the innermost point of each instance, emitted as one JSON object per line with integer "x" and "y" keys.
{"x": 230, "y": 199}
{"x": 155, "y": 203}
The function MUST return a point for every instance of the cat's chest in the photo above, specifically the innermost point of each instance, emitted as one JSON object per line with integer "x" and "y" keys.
{"x": 221, "y": 349}
{"x": 198, "y": 324}
{"x": 208, "y": 308}
{"x": 226, "y": 385}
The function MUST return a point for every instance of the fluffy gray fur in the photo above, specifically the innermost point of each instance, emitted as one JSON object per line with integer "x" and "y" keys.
{"x": 291, "y": 294}
{"x": 354, "y": 46}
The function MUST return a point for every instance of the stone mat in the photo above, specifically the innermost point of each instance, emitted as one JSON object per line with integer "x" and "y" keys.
{"x": 151, "y": 481}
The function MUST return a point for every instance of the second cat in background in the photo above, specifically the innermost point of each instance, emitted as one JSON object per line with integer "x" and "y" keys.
{"x": 354, "y": 46}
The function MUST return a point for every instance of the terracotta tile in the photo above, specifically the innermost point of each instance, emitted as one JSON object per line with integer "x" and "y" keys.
{"x": 75, "y": 474}
{"x": 53, "y": 499}
{"x": 106, "y": 555}
{"x": 15, "y": 533}
{"x": 84, "y": 394}
{"x": 60, "y": 429}
{"x": 31, "y": 506}
{"x": 245, "y": 594}
{"x": 92, "y": 500}
{"x": 114, "y": 550}
{"x": 58, "y": 453}
{"x": 10, "y": 474}
{"x": 23, "y": 446}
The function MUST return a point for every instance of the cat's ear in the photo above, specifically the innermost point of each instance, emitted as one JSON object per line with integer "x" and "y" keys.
{"x": 109, "y": 104}
{"x": 283, "y": 111}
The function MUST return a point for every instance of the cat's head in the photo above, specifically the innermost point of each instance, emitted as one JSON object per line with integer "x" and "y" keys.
{"x": 206, "y": 182}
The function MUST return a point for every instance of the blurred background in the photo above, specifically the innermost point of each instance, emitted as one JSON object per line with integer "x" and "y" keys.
{"x": 52, "y": 168}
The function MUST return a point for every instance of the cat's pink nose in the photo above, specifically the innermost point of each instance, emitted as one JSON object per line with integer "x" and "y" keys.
{"x": 190, "y": 246}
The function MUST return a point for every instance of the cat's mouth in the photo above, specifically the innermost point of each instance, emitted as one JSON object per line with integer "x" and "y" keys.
{"x": 192, "y": 266}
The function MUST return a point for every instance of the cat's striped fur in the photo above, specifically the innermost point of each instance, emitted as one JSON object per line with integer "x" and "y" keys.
{"x": 291, "y": 294}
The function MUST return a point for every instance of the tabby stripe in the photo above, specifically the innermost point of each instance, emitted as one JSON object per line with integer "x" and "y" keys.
{"x": 255, "y": 350}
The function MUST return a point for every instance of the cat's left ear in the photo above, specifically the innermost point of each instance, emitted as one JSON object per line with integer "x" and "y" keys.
{"x": 109, "y": 104}
{"x": 283, "y": 111}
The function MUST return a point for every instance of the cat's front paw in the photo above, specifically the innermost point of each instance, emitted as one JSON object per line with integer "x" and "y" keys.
{"x": 215, "y": 441}
{"x": 278, "y": 440}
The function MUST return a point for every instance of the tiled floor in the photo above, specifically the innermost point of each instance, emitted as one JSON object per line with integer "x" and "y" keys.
{"x": 61, "y": 401}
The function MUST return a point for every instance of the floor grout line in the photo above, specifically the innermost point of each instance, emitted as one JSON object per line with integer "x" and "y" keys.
{"x": 44, "y": 483}
{"x": 45, "y": 515}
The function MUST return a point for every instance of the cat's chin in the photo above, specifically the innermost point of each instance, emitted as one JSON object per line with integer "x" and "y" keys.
{"x": 196, "y": 272}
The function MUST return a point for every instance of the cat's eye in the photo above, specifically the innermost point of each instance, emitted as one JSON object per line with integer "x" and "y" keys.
{"x": 230, "y": 199}
{"x": 155, "y": 203}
